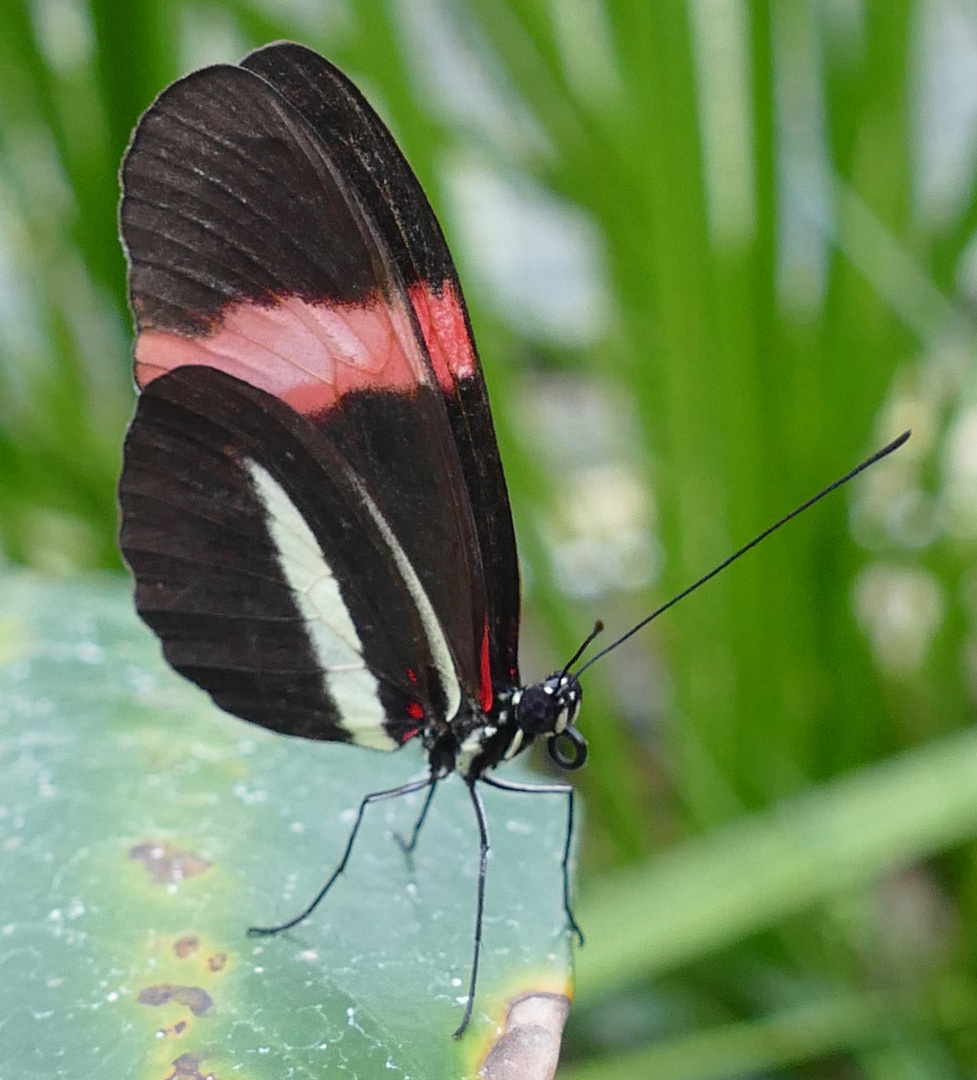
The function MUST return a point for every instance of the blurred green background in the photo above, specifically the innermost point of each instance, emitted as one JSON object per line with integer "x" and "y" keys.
{"x": 715, "y": 253}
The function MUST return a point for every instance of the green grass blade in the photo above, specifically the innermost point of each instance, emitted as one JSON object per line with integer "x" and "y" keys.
{"x": 703, "y": 895}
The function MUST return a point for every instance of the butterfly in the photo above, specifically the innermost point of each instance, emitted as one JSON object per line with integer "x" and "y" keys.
{"x": 313, "y": 503}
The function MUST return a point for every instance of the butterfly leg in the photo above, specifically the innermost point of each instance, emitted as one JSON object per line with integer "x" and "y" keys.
{"x": 551, "y": 789}
{"x": 407, "y": 846}
{"x": 483, "y": 853}
{"x": 377, "y": 796}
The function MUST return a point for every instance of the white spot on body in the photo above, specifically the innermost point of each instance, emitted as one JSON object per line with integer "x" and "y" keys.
{"x": 469, "y": 750}
{"x": 514, "y": 746}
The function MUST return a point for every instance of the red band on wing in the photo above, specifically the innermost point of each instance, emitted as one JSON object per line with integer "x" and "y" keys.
{"x": 309, "y": 355}
{"x": 445, "y": 330}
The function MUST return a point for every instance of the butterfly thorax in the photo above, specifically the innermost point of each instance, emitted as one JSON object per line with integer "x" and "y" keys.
{"x": 519, "y": 715}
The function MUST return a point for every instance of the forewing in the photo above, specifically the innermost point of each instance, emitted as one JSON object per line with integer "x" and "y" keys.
{"x": 374, "y": 168}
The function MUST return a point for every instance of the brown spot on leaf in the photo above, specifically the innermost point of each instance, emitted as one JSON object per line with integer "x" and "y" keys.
{"x": 197, "y": 1000}
{"x": 186, "y": 946}
{"x": 187, "y": 1067}
{"x": 529, "y": 1047}
{"x": 217, "y": 962}
{"x": 167, "y": 865}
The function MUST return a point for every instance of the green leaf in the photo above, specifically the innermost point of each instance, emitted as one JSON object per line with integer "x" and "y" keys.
{"x": 142, "y": 832}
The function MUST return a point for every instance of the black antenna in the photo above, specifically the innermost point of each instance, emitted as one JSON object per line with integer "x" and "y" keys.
{"x": 877, "y": 456}
{"x": 598, "y": 629}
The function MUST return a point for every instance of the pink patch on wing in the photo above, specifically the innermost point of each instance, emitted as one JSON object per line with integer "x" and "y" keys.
{"x": 308, "y": 355}
{"x": 446, "y": 335}
{"x": 485, "y": 693}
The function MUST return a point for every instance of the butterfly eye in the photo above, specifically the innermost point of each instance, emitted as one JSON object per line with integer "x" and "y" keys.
{"x": 555, "y": 746}
{"x": 538, "y": 710}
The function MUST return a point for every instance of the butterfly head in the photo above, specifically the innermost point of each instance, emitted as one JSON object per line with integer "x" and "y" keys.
{"x": 549, "y": 709}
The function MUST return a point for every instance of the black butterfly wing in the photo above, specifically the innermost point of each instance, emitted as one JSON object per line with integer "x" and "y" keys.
{"x": 261, "y": 564}
{"x": 250, "y": 254}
